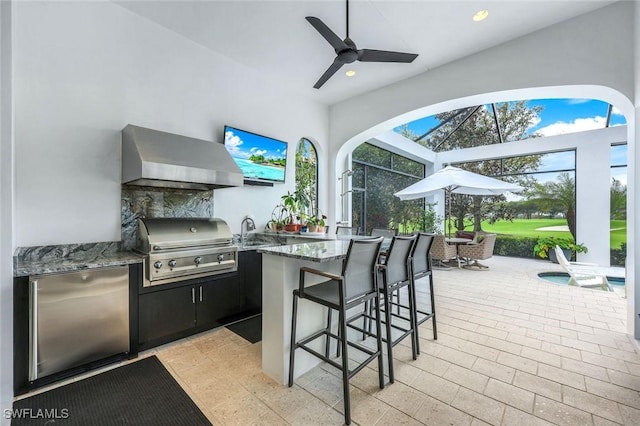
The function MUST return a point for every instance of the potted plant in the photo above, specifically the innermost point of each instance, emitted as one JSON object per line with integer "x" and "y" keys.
{"x": 316, "y": 222}
{"x": 294, "y": 203}
{"x": 279, "y": 217}
{"x": 544, "y": 248}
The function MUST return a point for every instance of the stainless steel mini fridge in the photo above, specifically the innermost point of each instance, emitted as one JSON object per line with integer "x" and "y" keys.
{"x": 77, "y": 318}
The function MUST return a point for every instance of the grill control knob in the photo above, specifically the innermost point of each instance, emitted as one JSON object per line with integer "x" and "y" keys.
{"x": 157, "y": 264}
{"x": 220, "y": 257}
{"x": 172, "y": 263}
{"x": 197, "y": 260}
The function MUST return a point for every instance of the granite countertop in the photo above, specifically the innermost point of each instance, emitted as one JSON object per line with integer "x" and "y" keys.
{"x": 322, "y": 251}
{"x": 69, "y": 258}
{"x": 256, "y": 240}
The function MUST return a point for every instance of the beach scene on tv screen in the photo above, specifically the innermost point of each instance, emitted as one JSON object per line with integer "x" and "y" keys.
{"x": 259, "y": 157}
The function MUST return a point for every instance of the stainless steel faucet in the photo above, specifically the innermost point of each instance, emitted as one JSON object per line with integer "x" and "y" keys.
{"x": 250, "y": 226}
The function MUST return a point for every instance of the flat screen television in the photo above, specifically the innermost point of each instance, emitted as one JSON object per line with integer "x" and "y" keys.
{"x": 259, "y": 157}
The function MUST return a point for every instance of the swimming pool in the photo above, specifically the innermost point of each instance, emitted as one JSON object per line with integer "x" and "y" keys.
{"x": 562, "y": 278}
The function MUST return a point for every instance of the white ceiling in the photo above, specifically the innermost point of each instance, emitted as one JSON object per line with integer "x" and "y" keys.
{"x": 273, "y": 37}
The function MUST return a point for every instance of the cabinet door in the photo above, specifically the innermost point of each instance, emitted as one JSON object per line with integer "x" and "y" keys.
{"x": 251, "y": 264}
{"x": 217, "y": 300}
{"x": 166, "y": 312}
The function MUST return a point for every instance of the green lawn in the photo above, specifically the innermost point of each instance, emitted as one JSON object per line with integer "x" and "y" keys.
{"x": 618, "y": 233}
{"x": 528, "y": 228}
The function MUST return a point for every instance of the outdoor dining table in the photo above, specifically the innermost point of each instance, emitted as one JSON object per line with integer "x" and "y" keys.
{"x": 458, "y": 241}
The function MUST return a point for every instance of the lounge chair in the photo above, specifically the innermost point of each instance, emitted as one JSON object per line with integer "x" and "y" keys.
{"x": 586, "y": 275}
{"x": 481, "y": 250}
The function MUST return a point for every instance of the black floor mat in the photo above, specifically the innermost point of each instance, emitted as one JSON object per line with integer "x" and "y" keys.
{"x": 141, "y": 393}
{"x": 250, "y": 329}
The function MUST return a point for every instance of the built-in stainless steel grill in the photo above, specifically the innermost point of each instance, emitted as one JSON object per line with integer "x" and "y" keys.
{"x": 180, "y": 249}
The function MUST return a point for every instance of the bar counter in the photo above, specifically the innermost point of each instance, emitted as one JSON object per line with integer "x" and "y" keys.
{"x": 280, "y": 274}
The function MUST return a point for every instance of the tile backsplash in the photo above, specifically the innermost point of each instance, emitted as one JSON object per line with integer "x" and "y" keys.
{"x": 156, "y": 202}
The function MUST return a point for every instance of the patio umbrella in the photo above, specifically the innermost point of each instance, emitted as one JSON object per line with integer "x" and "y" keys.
{"x": 456, "y": 181}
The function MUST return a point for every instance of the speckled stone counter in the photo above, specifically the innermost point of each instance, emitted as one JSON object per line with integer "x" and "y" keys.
{"x": 39, "y": 260}
{"x": 258, "y": 240}
{"x": 322, "y": 251}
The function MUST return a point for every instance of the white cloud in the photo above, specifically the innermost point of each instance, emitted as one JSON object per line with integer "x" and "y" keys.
{"x": 578, "y": 125}
{"x": 616, "y": 111}
{"x": 257, "y": 151}
{"x": 576, "y": 101}
{"x": 233, "y": 142}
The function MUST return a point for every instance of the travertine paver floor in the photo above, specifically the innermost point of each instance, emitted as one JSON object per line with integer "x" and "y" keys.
{"x": 511, "y": 350}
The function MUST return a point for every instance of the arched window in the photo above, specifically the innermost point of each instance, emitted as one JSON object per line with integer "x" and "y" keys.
{"x": 307, "y": 172}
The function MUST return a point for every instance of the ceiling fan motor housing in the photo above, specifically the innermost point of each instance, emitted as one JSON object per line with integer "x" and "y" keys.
{"x": 347, "y": 56}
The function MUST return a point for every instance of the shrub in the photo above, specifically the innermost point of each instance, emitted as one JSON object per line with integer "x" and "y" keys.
{"x": 514, "y": 246}
{"x": 545, "y": 244}
{"x": 618, "y": 256}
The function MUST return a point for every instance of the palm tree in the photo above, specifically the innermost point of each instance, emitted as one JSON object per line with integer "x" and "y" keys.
{"x": 559, "y": 195}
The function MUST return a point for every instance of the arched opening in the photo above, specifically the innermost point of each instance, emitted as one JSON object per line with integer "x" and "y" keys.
{"x": 306, "y": 164}
{"x": 585, "y": 177}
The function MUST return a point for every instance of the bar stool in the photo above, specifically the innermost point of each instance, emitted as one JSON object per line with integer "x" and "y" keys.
{"x": 384, "y": 232}
{"x": 421, "y": 266}
{"x": 395, "y": 274}
{"x": 357, "y": 285}
{"x": 347, "y": 231}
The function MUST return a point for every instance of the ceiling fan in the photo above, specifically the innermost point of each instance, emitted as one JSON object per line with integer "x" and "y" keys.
{"x": 347, "y": 52}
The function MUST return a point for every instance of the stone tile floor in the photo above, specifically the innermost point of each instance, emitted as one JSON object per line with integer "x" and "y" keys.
{"x": 511, "y": 350}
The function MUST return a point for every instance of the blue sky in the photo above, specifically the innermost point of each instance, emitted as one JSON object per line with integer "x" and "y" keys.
{"x": 560, "y": 116}
{"x": 557, "y": 117}
{"x": 573, "y": 115}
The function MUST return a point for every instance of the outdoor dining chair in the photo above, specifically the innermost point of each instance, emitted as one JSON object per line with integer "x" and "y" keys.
{"x": 442, "y": 251}
{"x": 474, "y": 252}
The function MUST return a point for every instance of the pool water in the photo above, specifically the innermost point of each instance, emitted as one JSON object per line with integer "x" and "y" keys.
{"x": 562, "y": 278}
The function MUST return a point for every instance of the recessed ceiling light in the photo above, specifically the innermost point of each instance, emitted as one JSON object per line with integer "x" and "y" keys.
{"x": 350, "y": 73}
{"x": 481, "y": 15}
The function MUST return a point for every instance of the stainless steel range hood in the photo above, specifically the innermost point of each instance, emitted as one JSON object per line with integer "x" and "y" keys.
{"x": 165, "y": 160}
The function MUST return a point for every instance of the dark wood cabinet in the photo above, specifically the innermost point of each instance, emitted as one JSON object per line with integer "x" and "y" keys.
{"x": 173, "y": 311}
{"x": 170, "y": 312}
{"x": 165, "y": 313}
{"x": 217, "y": 300}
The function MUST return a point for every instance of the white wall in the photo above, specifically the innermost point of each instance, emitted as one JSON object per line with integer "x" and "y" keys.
{"x": 633, "y": 204}
{"x": 86, "y": 69}
{"x": 6, "y": 212}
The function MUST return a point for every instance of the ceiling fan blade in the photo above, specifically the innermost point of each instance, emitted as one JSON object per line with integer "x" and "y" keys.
{"x": 335, "y": 66}
{"x": 336, "y": 42}
{"x": 371, "y": 55}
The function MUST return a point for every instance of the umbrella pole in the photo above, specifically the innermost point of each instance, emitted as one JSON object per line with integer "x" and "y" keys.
{"x": 448, "y": 192}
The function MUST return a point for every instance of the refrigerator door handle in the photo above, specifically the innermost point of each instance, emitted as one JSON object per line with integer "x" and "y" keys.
{"x": 33, "y": 331}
